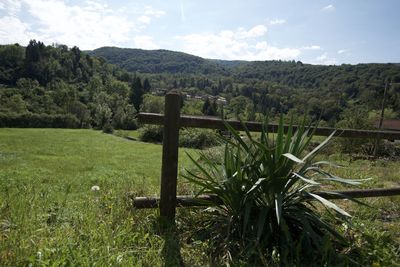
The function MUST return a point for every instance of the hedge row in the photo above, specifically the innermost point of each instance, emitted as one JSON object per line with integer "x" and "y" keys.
{"x": 34, "y": 120}
{"x": 194, "y": 138}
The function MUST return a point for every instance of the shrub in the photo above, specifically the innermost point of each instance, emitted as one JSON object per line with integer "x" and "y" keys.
{"x": 355, "y": 117}
{"x": 194, "y": 138}
{"x": 130, "y": 123}
{"x": 107, "y": 128}
{"x": 34, "y": 120}
{"x": 151, "y": 133}
{"x": 268, "y": 214}
{"x": 197, "y": 138}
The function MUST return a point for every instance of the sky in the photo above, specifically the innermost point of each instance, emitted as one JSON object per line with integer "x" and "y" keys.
{"x": 312, "y": 31}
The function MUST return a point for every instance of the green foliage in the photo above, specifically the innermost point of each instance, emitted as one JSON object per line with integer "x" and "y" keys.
{"x": 273, "y": 87}
{"x": 49, "y": 215}
{"x": 56, "y": 80}
{"x": 107, "y": 128}
{"x": 157, "y": 61}
{"x": 268, "y": 213}
{"x": 209, "y": 108}
{"x": 33, "y": 120}
{"x": 136, "y": 95}
{"x": 152, "y": 134}
{"x": 356, "y": 117}
{"x": 197, "y": 138}
{"x": 153, "y": 104}
{"x": 188, "y": 137}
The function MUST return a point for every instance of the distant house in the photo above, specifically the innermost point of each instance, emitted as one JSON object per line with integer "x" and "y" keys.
{"x": 390, "y": 125}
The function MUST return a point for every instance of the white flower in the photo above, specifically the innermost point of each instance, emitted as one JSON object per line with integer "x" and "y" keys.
{"x": 95, "y": 188}
{"x": 39, "y": 255}
{"x": 119, "y": 259}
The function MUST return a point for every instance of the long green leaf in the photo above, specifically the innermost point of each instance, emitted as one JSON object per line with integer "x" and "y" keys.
{"x": 278, "y": 207}
{"x": 329, "y": 204}
{"x": 293, "y": 158}
{"x": 315, "y": 150}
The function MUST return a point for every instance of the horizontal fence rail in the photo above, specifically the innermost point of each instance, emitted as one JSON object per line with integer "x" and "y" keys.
{"x": 217, "y": 123}
{"x": 206, "y": 200}
{"x": 173, "y": 120}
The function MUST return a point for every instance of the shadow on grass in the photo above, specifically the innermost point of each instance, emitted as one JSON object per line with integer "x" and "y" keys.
{"x": 171, "y": 251}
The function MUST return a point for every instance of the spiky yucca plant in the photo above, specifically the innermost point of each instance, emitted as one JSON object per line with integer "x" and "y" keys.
{"x": 268, "y": 213}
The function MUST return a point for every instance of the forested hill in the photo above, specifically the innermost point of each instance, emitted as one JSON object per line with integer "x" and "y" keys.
{"x": 57, "y": 86}
{"x": 290, "y": 73}
{"x": 297, "y": 74}
{"x": 49, "y": 84}
{"x": 158, "y": 61}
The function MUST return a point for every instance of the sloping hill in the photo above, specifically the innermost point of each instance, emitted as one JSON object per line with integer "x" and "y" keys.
{"x": 158, "y": 61}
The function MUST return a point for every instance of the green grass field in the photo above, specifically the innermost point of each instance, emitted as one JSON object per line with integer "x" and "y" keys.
{"x": 49, "y": 216}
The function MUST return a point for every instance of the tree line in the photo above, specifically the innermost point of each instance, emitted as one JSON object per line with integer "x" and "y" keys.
{"x": 60, "y": 82}
{"x": 55, "y": 79}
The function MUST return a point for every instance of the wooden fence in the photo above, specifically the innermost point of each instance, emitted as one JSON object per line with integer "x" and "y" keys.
{"x": 172, "y": 121}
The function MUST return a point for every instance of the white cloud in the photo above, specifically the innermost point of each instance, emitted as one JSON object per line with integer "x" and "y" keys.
{"x": 235, "y": 45}
{"x": 329, "y": 8}
{"x": 277, "y": 21}
{"x": 312, "y": 47}
{"x": 95, "y": 6}
{"x": 254, "y": 32}
{"x": 89, "y": 25}
{"x": 145, "y": 42}
{"x": 148, "y": 10}
{"x": 12, "y": 30}
{"x": 324, "y": 59}
{"x": 12, "y": 7}
{"x": 144, "y": 19}
{"x": 341, "y": 51}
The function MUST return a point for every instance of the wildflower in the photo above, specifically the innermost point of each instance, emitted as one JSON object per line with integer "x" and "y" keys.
{"x": 119, "y": 259}
{"x": 95, "y": 188}
{"x": 39, "y": 255}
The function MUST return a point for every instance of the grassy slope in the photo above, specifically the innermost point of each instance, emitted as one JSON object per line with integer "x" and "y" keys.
{"x": 47, "y": 206}
{"x": 49, "y": 215}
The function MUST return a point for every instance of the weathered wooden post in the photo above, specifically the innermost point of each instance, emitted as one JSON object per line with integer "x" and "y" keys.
{"x": 169, "y": 168}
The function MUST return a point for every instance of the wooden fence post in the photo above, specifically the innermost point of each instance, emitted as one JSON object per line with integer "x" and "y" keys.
{"x": 169, "y": 168}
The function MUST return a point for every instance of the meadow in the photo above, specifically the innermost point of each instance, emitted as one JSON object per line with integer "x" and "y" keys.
{"x": 50, "y": 216}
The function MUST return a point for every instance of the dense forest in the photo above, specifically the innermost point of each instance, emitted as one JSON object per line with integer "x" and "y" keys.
{"x": 57, "y": 86}
{"x": 271, "y": 87}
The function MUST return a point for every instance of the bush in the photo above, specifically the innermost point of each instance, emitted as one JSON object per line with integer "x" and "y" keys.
{"x": 129, "y": 124}
{"x": 34, "y": 120}
{"x": 151, "y": 133}
{"x": 355, "y": 117}
{"x": 197, "y": 138}
{"x": 268, "y": 214}
{"x": 194, "y": 138}
{"x": 107, "y": 128}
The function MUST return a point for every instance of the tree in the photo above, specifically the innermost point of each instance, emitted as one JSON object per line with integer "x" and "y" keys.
{"x": 136, "y": 97}
{"x": 103, "y": 115}
{"x": 209, "y": 108}
{"x": 206, "y": 106}
{"x": 146, "y": 85}
{"x": 153, "y": 104}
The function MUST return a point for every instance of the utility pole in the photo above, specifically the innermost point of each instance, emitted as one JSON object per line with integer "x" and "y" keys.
{"x": 376, "y": 146}
{"x": 383, "y": 105}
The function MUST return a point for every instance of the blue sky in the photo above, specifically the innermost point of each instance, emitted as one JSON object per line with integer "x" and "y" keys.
{"x": 313, "y": 31}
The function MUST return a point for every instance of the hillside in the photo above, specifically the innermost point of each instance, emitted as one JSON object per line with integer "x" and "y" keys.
{"x": 57, "y": 86}
{"x": 158, "y": 61}
{"x": 59, "y": 82}
{"x": 351, "y": 78}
